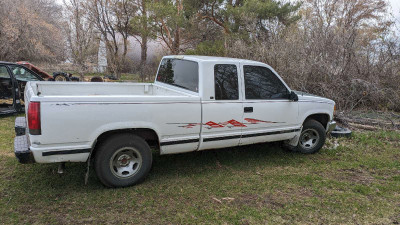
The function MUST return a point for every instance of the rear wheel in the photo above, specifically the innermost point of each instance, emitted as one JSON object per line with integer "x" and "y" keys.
{"x": 312, "y": 137}
{"x": 123, "y": 160}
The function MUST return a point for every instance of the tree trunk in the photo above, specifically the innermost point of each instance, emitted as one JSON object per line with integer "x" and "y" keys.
{"x": 143, "y": 45}
{"x": 144, "y": 34}
{"x": 125, "y": 49}
{"x": 176, "y": 42}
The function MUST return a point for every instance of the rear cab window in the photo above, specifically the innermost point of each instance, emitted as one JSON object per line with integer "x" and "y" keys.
{"x": 180, "y": 73}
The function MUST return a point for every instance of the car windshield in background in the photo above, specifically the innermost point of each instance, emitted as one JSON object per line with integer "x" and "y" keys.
{"x": 180, "y": 73}
{"x": 22, "y": 74}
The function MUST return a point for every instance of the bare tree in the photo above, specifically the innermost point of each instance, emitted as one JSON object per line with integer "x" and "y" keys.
{"x": 112, "y": 19}
{"x": 124, "y": 11}
{"x": 101, "y": 14}
{"x": 141, "y": 27}
{"x": 80, "y": 34}
{"x": 31, "y": 30}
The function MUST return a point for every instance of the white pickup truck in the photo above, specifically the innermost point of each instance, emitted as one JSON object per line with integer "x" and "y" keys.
{"x": 196, "y": 103}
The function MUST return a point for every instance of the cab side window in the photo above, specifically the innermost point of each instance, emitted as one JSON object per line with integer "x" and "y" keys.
{"x": 262, "y": 83}
{"x": 226, "y": 82}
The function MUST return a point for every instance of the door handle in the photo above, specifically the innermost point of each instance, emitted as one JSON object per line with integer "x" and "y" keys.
{"x": 248, "y": 109}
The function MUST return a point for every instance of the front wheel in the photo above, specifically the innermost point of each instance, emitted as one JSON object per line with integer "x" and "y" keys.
{"x": 123, "y": 160}
{"x": 312, "y": 137}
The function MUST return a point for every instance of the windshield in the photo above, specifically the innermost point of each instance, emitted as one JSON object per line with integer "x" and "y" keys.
{"x": 180, "y": 73}
{"x": 22, "y": 74}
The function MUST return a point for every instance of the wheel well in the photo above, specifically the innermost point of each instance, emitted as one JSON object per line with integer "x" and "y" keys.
{"x": 149, "y": 135}
{"x": 322, "y": 118}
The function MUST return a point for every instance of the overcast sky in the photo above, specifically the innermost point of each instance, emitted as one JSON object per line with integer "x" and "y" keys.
{"x": 396, "y": 9}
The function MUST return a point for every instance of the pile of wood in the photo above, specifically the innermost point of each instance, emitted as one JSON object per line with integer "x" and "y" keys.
{"x": 372, "y": 120}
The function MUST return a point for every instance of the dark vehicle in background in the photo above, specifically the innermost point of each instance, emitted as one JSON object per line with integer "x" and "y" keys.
{"x": 13, "y": 78}
{"x": 57, "y": 76}
{"x": 36, "y": 69}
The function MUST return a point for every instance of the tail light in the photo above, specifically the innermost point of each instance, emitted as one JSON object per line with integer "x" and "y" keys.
{"x": 34, "y": 118}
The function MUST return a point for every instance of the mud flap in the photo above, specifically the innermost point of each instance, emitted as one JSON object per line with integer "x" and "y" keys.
{"x": 295, "y": 140}
{"x": 88, "y": 168}
{"x": 88, "y": 163}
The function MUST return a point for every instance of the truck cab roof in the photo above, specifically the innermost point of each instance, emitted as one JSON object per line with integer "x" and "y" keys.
{"x": 199, "y": 58}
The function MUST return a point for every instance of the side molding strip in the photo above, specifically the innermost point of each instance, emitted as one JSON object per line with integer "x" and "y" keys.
{"x": 66, "y": 152}
{"x": 179, "y": 142}
{"x": 250, "y": 135}
{"x": 221, "y": 138}
{"x": 270, "y": 133}
{"x": 227, "y": 137}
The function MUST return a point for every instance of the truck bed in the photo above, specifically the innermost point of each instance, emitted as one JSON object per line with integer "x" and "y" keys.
{"x": 49, "y": 89}
{"x": 102, "y": 107}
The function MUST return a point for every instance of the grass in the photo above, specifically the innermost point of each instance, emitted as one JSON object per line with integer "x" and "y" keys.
{"x": 124, "y": 76}
{"x": 353, "y": 180}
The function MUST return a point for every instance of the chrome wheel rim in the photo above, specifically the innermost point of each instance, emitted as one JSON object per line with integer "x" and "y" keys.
{"x": 125, "y": 162}
{"x": 309, "y": 138}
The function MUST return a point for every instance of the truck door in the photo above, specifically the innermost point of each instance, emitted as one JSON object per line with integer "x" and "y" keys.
{"x": 222, "y": 107}
{"x": 7, "y": 100}
{"x": 22, "y": 76}
{"x": 269, "y": 115}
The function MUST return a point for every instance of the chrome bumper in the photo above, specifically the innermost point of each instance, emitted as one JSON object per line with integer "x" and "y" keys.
{"x": 331, "y": 126}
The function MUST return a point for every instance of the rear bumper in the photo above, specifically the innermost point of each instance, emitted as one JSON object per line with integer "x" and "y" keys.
{"x": 21, "y": 142}
{"x": 331, "y": 126}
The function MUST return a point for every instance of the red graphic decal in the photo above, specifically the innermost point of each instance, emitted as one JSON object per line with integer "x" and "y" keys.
{"x": 230, "y": 123}
{"x": 213, "y": 124}
{"x": 236, "y": 123}
{"x": 190, "y": 125}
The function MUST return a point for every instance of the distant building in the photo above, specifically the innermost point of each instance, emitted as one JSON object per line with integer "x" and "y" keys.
{"x": 102, "y": 57}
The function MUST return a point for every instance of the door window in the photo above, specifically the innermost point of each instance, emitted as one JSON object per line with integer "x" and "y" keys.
{"x": 262, "y": 83}
{"x": 226, "y": 82}
{"x": 22, "y": 74}
{"x": 5, "y": 84}
{"x": 6, "y": 90}
{"x": 4, "y": 73}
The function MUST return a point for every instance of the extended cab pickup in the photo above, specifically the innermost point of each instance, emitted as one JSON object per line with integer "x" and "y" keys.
{"x": 196, "y": 103}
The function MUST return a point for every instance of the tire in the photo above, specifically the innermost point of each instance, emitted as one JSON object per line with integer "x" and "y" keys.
{"x": 60, "y": 77}
{"x": 123, "y": 160}
{"x": 76, "y": 79}
{"x": 312, "y": 137}
{"x": 96, "y": 79}
{"x": 341, "y": 132}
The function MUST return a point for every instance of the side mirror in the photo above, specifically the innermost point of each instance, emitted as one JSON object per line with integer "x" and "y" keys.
{"x": 293, "y": 96}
